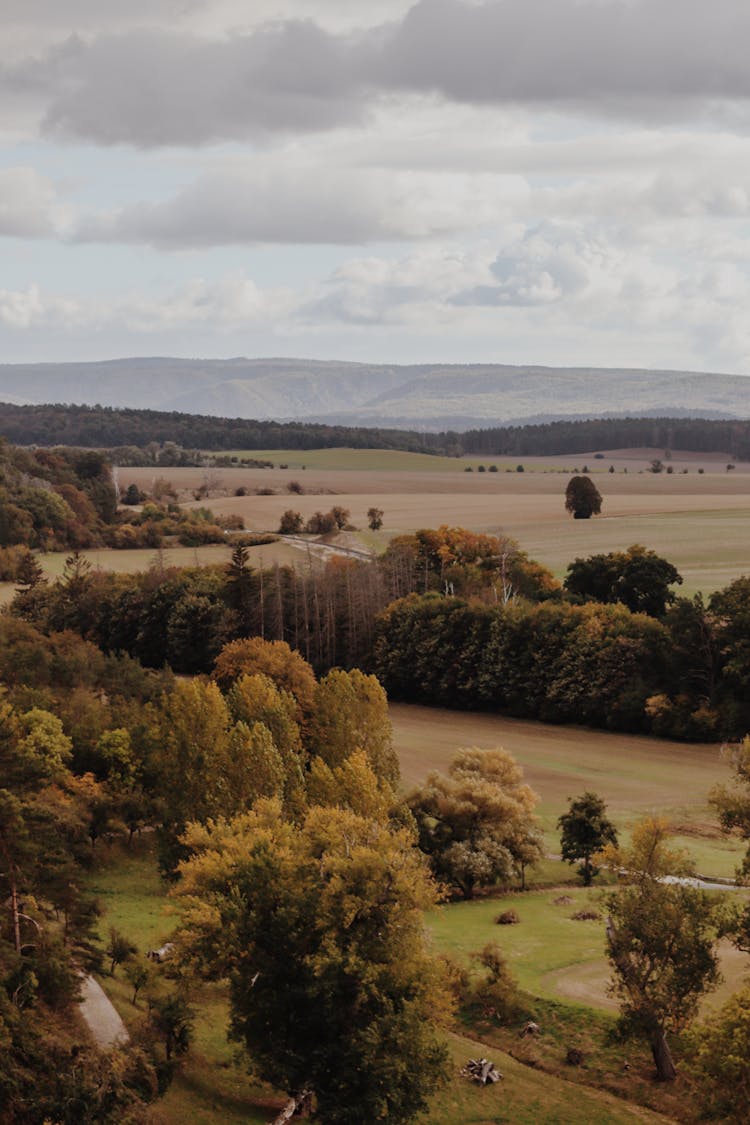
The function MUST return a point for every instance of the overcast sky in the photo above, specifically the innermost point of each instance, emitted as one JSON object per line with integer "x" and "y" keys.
{"x": 519, "y": 181}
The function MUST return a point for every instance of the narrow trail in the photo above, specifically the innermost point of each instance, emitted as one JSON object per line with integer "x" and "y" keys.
{"x": 101, "y": 1016}
{"x": 326, "y": 550}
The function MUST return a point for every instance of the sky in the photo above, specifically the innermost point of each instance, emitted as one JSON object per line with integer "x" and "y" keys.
{"x": 559, "y": 182}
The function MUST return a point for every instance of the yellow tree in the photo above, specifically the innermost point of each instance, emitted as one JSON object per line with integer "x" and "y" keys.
{"x": 275, "y": 659}
{"x": 321, "y": 927}
{"x": 477, "y": 825}
{"x": 351, "y": 713}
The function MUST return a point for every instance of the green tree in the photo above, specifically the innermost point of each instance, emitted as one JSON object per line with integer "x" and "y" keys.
{"x": 351, "y": 713}
{"x": 718, "y": 1053}
{"x": 661, "y": 942}
{"x": 585, "y": 830}
{"x": 333, "y": 991}
{"x": 477, "y": 824}
{"x": 582, "y": 498}
{"x": 637, "y": 577}
{"x": 119, "y": 948}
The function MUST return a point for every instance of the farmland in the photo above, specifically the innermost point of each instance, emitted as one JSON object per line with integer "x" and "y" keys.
{"x": 637, "y": 776}
{"x": 700, "y": 521}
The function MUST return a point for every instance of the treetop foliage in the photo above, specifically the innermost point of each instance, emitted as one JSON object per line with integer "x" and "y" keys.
{"x": 332, "y": 988}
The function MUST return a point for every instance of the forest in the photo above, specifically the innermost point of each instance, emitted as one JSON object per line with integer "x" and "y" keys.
{"x": 174, "y": 438}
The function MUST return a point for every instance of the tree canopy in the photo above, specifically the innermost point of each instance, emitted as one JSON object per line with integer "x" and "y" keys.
{"x": 637, "y": 577}
{"x": 477, "y": 824}
{"x": 320, "y": 928}
{"x": 582, "y": 498}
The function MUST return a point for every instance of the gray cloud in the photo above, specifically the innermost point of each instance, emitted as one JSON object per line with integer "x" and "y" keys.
{"x": 155, "y": 87}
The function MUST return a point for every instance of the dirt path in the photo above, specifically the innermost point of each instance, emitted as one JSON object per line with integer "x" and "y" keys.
{"x": 100, "y": 1016}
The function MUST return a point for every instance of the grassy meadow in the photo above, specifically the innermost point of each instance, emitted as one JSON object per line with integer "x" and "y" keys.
{"x": 213, "y": 1087}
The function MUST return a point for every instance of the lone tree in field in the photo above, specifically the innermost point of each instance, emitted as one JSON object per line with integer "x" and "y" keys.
{"x": 582, "y": 498}
{"x": 585, "y": 830}
{"x": 661, "y": 942}
{"x": 375, "y": 518}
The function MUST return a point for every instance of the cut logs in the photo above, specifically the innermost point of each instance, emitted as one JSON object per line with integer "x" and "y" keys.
{"x": 482, "y": 1071}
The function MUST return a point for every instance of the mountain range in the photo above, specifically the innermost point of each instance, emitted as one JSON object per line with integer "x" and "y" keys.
{"x": 425, "y": 396}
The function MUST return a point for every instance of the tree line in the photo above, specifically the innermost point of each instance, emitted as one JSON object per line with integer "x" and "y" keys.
{"x": 445, "y": 617}
{"x": 170, "y": 438}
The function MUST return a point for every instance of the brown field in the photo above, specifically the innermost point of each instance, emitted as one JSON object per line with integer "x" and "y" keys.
{"x": 700, "y": 522}
{"x": 637, "y": 776}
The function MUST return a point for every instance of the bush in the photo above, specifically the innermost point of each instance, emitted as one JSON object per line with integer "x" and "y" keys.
{"x": 295, "y": 486}
{"x": 290, "y": 523}
{"x": 321, "y": 523}
{"x": 508, "y": 918}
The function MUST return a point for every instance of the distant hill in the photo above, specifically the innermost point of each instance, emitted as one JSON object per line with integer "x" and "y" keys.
{"x": 427, "y": 396}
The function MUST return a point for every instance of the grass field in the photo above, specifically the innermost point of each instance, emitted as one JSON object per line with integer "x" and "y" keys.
{"x": 637, "y": 776}
{"x": 212, "y": 1086}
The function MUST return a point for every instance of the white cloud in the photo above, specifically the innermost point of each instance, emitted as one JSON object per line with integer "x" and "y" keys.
{"x": 288, "y": 198}
{"x": 29, "y": 204}
{"x": 229, "y": 302}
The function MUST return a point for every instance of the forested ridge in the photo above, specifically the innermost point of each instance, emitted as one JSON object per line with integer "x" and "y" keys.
{"x": 116, "y": 429}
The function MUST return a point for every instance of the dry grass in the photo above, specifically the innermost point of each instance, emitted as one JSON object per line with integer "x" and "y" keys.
{"x": 636, "y": 776}
{"x": 700, "y": 522}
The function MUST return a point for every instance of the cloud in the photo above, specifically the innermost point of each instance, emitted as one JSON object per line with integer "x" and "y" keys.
{"x": 292, "y": 199}
{"x": 29, "y": 204}
{"x": 152, "y": 88}
{"x": 656, "y": 59}
{"x": 232, "y": 301}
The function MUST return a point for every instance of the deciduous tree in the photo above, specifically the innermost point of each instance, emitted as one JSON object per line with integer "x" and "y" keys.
{"x": 332, "y": 989}
{"x": 477, "y": 824}
{"x": 585, "y": 830}
{"x": 582, "y": 498}
{"x": 661, "y": 942}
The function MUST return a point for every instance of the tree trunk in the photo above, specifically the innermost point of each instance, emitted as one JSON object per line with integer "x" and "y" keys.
{"x": 15, "y": 914}
{"x": 294, "y": 1105}
{"x": 665, "y": 1068}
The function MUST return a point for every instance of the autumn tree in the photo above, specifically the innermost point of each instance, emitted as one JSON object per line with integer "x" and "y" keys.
{"x": 477, "y": 824}
{"x": 351, "y": 712}
{"x": 290, "y": 523}
{"x": 582, "y": 498}
{"x": 585, "y": 829}
{"x": 275, "y": 659}
{"x": 320, "y": 926}
{"x": 661, "y": 941}
{"x": 375, "y": 518}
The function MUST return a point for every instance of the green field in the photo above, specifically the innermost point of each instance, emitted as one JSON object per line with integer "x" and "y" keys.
{"x": 365, "y": 460}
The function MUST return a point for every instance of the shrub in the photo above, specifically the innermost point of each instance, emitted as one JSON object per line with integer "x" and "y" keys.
{"x": 508, "y": 918}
